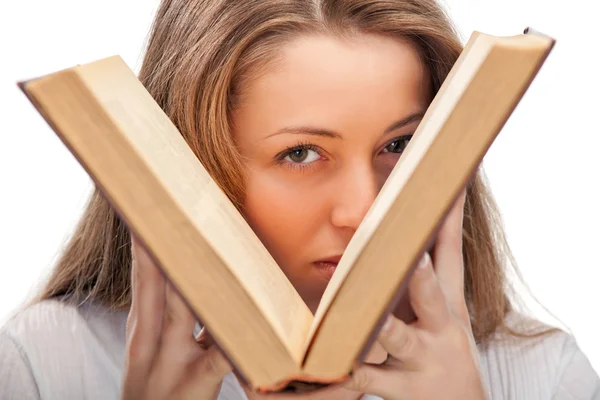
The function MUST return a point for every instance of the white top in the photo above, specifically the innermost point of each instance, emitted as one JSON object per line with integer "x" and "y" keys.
{"x": 52, "y": 350}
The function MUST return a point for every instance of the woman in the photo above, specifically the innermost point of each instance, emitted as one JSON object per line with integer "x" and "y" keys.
{"x": 299, "y": 109}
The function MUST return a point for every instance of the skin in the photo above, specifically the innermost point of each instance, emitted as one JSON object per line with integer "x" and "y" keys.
{"x": 319, "y": 196}
{"x": 305, "y": 203}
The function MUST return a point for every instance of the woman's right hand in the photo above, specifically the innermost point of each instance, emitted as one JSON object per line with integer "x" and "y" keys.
{"x": 163, "y": 360}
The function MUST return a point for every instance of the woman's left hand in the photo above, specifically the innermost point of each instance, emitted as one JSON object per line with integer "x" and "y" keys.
{"x": 434, "y": 357}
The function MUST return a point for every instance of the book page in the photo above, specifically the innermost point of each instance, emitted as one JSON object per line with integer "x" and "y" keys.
{"x": 446, "y": 150}
{"x": 150, "y": 176}
{"x": 432, "y": 122}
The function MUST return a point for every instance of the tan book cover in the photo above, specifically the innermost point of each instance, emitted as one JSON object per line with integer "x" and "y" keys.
{"x": 145, "y": 169}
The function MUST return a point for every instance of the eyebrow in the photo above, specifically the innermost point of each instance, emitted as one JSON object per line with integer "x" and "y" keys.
{"x": 414, "y": 117}
{"x": 309, "y": 130}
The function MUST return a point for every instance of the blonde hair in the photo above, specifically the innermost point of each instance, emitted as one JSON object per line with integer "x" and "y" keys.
{"x": 199, "y": 54}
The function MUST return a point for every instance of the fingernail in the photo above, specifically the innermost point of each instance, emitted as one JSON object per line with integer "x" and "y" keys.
{"x": 387, "y": 324}
{"x": 424, "y": 261}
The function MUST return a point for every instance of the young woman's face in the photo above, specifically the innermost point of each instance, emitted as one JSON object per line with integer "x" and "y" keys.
{"x": 320, "y": 132}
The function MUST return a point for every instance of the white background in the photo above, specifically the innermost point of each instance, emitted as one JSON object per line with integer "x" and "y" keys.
{"x": 544, "y": 168}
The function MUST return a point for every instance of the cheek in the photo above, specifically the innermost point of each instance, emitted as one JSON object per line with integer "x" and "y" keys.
{"x": 284, "y": 215}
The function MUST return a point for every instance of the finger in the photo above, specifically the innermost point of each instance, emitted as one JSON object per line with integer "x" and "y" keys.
{"x": 378, "y": 380}
{"x": 426, "y": 297}
{"x": 144, "y": 321}
{"x": 205, "y": 339}
{"x": 399, "y": 340}
{"x": 448, "y": 255}
{"x": 333, "y": 391}
{"x": 178, "y": 346}
{"x": 205, "y": 376}
{"x": 178, "y": 314}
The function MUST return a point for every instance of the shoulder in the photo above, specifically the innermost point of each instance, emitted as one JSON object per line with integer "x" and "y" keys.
{"x": 63, "y": 349}
{"x": 539, "y": 365}
{"x": 51, "y": 325}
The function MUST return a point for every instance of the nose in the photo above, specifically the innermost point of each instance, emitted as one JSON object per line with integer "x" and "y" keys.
{"x": 354, "y": 195}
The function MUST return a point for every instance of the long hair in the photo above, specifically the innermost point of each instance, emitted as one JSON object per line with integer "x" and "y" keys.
{"x": 199, "y": 54}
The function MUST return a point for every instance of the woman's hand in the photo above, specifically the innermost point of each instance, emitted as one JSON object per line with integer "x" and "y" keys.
{"x": 435, "y": 357}
{"x": 163, "y": 359}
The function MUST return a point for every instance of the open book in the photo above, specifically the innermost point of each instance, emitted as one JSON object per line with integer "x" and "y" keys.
{"x": 204, "y": 246}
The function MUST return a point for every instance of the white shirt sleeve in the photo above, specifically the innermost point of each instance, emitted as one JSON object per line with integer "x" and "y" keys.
{"x": 578, "y": 380}
{"x": 16, "y": 378}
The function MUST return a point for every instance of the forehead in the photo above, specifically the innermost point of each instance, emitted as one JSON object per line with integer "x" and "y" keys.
{"x": 329, "y": 77}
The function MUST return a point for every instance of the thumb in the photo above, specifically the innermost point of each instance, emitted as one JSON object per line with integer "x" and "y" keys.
{"x": 377, "y": 380}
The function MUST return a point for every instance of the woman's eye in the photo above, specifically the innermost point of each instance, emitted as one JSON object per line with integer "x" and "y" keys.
{"x": 302, "y": 155}
{"x": 398, "y": 145}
